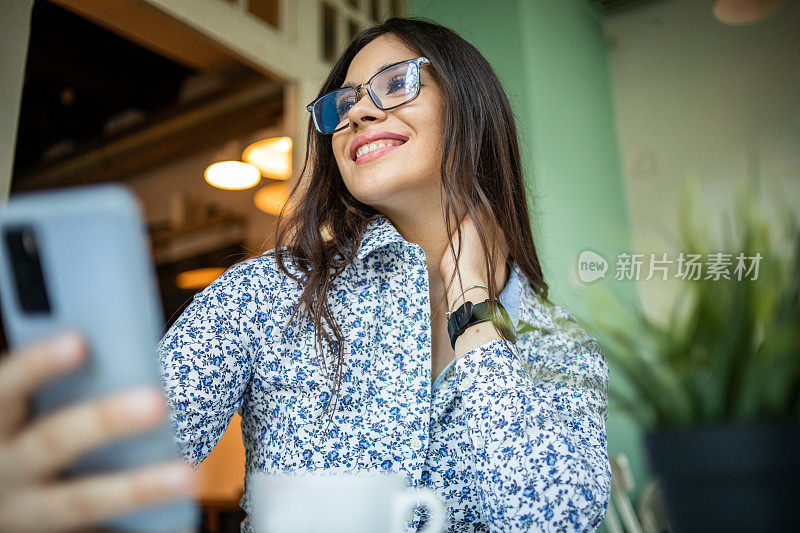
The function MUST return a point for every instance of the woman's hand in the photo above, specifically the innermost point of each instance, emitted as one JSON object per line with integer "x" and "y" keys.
{"x": 32, "y": 453}
{"x": 472, "y": 262}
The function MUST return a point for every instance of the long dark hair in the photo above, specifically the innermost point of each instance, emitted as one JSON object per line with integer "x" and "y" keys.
{"x": 481, "y": 176}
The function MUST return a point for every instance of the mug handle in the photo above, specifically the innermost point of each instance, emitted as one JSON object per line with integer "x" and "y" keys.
{"x": 405, "y": 502}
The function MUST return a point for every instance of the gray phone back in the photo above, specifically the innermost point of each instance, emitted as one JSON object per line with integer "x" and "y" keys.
{"x": 97, "y": 271}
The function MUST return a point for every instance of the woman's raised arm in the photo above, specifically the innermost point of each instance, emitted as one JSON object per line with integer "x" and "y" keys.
{"x": 206, "y": 363}
{"x": 536, "y": 420}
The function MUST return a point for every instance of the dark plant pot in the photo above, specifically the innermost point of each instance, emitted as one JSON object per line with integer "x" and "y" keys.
{"x": 729, "y": 478}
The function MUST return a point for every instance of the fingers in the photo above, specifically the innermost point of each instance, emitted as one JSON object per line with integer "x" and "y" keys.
{"x": 80, "y": 503}
{"x": 30, "y": 455}
{"x": 492, "y": 230}
{"x": 23, "y": 371}
{"x": 495, "y": 237}
{"x": 55, "y": 441}
{"x": 464, "y": 262}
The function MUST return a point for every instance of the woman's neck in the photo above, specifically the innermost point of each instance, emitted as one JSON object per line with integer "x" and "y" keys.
{"x": 430, "y": 233}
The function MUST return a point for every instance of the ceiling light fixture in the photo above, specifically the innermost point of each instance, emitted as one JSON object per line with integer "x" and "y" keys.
{"x": 198, "y": 278}
{"x": 739, "y": 12}
{"x": 232, "y": 175}
{"x": 273, "y": 157}
{"x": 271, "y": 198}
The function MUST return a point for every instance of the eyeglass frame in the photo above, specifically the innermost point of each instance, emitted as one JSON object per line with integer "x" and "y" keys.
{"x": 419, "y": 61}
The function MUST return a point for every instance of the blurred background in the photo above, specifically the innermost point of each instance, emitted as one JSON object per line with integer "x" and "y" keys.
{"x": 199, "y": 107}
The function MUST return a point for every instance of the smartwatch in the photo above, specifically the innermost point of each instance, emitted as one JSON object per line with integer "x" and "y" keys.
{"x": 470, "y": 314}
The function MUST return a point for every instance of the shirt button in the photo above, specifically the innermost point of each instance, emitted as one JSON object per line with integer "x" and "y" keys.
{"x": 478, "y": 441}
{"x": 419, "y": 446}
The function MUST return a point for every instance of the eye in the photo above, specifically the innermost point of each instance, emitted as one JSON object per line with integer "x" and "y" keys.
{"x": 398, "y": 83}
{"x": 344, "y": 104}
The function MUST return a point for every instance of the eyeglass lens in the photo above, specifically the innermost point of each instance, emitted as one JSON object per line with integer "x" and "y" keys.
{"x": 389, "y": 88}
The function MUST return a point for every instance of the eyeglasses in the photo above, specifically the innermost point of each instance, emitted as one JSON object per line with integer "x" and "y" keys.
{"x": 393, "y": 86}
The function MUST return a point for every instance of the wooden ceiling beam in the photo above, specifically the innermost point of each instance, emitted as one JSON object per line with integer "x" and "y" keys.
{"x": 184, "y": 131}
{"x": 153, "y": 29}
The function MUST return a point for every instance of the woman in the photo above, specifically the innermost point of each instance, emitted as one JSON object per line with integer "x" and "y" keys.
{"x": 335, "y": 347}
{"x": 334, "y": 371}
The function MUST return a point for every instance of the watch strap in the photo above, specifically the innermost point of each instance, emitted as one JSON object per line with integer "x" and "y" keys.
{"x": 469, "y": 314}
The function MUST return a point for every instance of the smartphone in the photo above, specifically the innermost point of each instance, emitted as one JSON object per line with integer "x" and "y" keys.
{"x": 79, "y": 259}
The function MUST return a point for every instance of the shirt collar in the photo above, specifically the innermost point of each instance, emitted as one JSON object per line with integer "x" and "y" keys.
{"x": 378, "y": 233}
{"x": 532, "y": 310}
{"x": 518, "y": 297}
{"x": 510, "y": 296}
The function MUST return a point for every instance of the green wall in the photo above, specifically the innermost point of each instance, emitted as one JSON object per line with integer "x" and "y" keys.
{"x": 15, "y": 22}
{"x": 551, "y": 58}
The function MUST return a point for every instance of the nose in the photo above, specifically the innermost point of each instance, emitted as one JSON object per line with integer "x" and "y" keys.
{"x": 364, "y": 110}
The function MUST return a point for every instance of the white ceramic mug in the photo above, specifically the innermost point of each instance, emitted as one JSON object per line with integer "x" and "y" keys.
{"x": 348, "y": 503}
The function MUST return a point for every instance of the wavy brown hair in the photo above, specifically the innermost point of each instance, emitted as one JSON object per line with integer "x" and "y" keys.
{"x": 481, "y": 176}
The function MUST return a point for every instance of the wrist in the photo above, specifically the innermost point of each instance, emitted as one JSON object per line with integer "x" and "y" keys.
{"x": 478, "y": 320}
{"x": 474, "y": 293}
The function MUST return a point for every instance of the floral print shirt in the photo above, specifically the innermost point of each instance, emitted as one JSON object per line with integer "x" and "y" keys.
{"x": 512, "y": 439}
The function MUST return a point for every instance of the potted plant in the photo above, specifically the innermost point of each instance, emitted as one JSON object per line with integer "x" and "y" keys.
{"x": 716, "y": 385}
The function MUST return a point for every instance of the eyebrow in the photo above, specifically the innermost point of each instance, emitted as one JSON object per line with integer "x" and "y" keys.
{"x": 352, "y": 84}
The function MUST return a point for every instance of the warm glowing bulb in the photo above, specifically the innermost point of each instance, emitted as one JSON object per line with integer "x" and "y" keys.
{"x": 273, "y": 157}
{"x": 198, "y": 278}
{"x": 271, "y": 198}
{"x": 232, "y": 175}
{"x": 738, "y": 12}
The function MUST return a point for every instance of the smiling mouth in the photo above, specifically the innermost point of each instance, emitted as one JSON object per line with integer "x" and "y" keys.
{"x": 376, "y": 150}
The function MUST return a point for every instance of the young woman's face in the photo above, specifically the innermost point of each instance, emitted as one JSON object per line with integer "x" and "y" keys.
{"x": 408, "y": 176}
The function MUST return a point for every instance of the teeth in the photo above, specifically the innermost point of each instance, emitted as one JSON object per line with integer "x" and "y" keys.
{"x": 367, "y": 148}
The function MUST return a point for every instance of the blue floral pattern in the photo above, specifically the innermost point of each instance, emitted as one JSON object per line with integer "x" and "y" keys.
{"x": 512, "y": 439}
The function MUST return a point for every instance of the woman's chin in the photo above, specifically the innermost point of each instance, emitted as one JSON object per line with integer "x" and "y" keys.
{"x": 380, "y": 201}
{"x": 369, "y": 187}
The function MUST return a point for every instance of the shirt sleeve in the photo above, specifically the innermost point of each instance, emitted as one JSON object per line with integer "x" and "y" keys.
{"x": 537, "y": 427}
{"x": 205, "y": 366}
